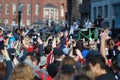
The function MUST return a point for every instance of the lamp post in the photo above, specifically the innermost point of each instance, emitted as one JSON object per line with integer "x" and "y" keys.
{"x": 69, "y": 12}
{"x": 19, "y": 13}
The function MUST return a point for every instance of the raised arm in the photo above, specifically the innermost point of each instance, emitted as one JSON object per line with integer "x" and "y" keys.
{"x": 8, "y": 61}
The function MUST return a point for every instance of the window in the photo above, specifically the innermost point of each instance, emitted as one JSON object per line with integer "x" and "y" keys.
{"x": 100, "y": 11}
{"x": 0, "y": 8}
{"x": 14, "y": 9}
{"x": 52, "y": 12}
{"x": 37, "y": 9}
{"x": 21, "y": 22}
{"x": 28, "y": 22}
{"x": 28, "y": 9}
{"x": 13, "y": 22}
{"x": 81, "y": 1}
{"x": 106, "y": 11}
{"x": 62, "y": 10}
{"x": 56, "y": 14}
{"x": 6, "y": 21}
{"x": 94, "y": 12}
{"x": 46, "y": 12}
{"x": 0, "y": 21}
{"x": 7, "y": 9}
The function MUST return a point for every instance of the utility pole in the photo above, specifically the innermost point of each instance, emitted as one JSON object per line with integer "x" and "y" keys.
{"x": 69, "y": 12}
{"x": 19, "y": 13}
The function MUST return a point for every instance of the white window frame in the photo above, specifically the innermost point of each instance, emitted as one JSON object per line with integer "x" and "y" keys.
{"x": 37, "y": 11}
{"x": 46, "y": 12}
{"x": 62, "y": 11}
{"x": 7, "y": 9}
{"x": 14, "y": 9}
{"x": 0, "y": 8}
{"x": 28, "y": 22}
{"x": 28, "y": 9}
{"x": 6, "y": 21}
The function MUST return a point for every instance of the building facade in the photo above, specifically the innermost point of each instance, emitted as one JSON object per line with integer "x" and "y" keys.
{"x": 116, "y": 12}
{"x": 32, "y": 10}
{"x": 107, "y": 9}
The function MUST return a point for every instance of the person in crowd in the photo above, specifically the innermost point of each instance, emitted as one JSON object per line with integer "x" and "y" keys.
{"x": 65, "y": 73}
{"x": 17, "y": 34}
{"x": 88, "y": 24}
{"x": 43, "y": 62}
{"x": 71, "y": 30}
{"x": 69, "y": 61}
{"x": 81, "y": 77}
{"x": 98, "y": 21}
{"x": 22, "y": 72}
{"x": 59, "y": 55}
{"x": 2, "y": 69}
{"x": 8, "y": 67}
{"x": 75, "y": 52}
{"x": 112, "y": 58}
{"x": 43, "y": 69}
{"x": 22, "y": 34}
{"x": 98, "y": 67}
{"x": 49, "y": 54}
{"x": 115, "y": 65}
{"x": 85, "y": 70}
{"x": 12, "y": 41}
{"x": 65, "y": 43}
{"x": 1, "y": 76}
{"x": 1, "y": 39}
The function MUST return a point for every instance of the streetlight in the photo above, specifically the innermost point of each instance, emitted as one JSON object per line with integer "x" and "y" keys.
{"x": 19, "y": 13}
{"x": 69, "y": 12}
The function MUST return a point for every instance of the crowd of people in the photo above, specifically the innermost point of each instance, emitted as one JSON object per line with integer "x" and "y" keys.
{"x": 26, "y": 55}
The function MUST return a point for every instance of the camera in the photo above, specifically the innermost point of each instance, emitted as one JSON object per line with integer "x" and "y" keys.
{"x": 35, "y": 36}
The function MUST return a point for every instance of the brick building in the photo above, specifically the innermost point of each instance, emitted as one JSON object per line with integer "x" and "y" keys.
{"x": 51, "y": 10}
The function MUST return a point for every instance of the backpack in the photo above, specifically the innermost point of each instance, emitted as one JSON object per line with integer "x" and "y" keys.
{"x": 43, "y": 76}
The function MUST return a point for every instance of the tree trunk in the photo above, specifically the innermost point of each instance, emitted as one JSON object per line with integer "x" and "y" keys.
{"x": 75, "y": 9}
